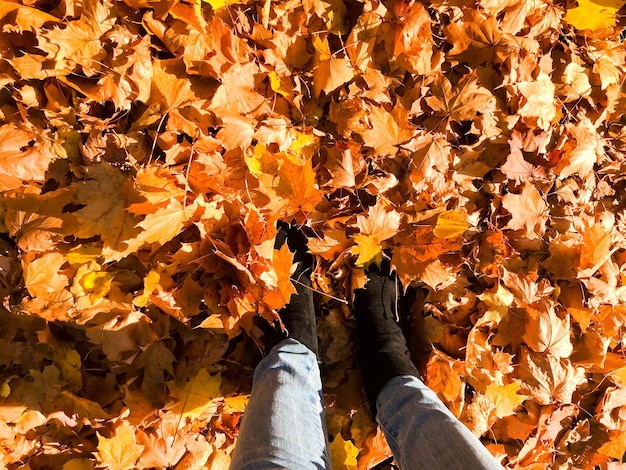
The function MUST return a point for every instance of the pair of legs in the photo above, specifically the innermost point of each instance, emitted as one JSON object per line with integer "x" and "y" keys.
{"x": 284, "y": 424}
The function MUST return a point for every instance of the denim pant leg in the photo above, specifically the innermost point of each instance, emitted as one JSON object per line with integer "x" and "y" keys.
{"x": 423, "y": 433}
{"x": 284, "y": 424}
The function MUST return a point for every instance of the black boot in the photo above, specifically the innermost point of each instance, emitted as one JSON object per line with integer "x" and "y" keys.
{"x": 298, "y": 315}
{"x": 383, "y": 352}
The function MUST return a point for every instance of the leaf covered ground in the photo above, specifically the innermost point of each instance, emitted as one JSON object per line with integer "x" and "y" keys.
{"x": 147, "y": 150}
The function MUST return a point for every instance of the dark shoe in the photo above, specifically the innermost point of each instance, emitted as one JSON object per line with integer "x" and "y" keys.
{"x": 383, "y": 351}
{"x": 298, "y": 315}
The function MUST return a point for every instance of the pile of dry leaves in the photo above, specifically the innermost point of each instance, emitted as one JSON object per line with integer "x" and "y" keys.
{"x": 147, "y": 150}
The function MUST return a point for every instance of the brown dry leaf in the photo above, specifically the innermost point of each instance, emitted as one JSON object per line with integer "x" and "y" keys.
{"x": 237, "y": 95}
{"x": 547, "y": 379}
{"x": 413, "y": 44}
{"x": 375, "y": 450}
{"x": 331, "y": 245}
{"x": 123, "y": 336}
{"x": 415, "y": 251}
{"x": 443, "y": 376}
{"x": 478, "y": 39}
{"x": 538, "y": 106}
{"x": 170, "y": 88}
{"x": 517, "y": 168}
{"x": 529, "y": 211}
{"x": 596, "y": 247}
{"x": 79, "y": 45}
{"x": 330, "y": 71}
{"x": 581, "y": 150}
{"x": 163, "y": 447}
{"x": 467, "y": 100}
{"x": 547, "y": 332}
{"x": 616, "y": 446}
{"x": 105, "y": 195}
{"x": 24, "y": 157}
{"x": 26, "y": 17}
{"x": 387, "y": 130}
{"x": 43, "y": 276}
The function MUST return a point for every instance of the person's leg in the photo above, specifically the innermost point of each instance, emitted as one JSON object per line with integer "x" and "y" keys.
{"x": 284, "y": 423}
{"x": 423, "y": 433}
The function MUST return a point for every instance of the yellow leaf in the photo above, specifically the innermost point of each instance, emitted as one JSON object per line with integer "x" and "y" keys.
{"x": 120, "y": 451}
{"x": 322, "y": 48}
{"x": 498, "y": 304}
{"x": 278, "y": 84}
{"x": 379, "y": 224}
{"x": 91, "y": 284}
{"x": 368, "y": 249}
{"x": 195, "y": 397}
{"x": 217, "y": 4}
{"x": 83, "y": 254}
{"x": 261, "y": 161}
{"x": 5, "y": 389}
{"x": 499, "y": 299}
{"x": 78, "y": 464}
{"x": 594, "y": 14}
{"x": 236, "y": 404}
{"x": 619, "y": 376}
{"x": 505, "y": 398}
{"x": 150, "y": 283}
{"x": 213, "y": 321}
{"x": 343, "y": 453}
{"x": 220, "y": 460}
{"x": 450, "y": 224}
{"x": 301, "y": 141}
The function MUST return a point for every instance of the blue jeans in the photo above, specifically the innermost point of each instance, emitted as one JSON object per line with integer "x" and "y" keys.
{"x": 284, "y": 424}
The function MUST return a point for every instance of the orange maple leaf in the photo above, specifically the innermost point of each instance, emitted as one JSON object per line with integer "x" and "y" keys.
{"x": 297, "y": 186}
{"x": 415, "y": 251}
